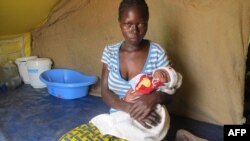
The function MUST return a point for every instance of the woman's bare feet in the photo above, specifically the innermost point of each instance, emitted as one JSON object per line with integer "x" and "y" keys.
{"x": 184, "y": 135}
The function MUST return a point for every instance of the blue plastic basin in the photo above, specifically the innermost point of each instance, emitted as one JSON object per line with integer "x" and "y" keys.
{"x": 66, "y": 83}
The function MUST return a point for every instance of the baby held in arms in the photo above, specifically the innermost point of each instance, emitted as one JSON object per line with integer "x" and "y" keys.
{"x": 119, "y": 124}
{"x": 164, "y": 79}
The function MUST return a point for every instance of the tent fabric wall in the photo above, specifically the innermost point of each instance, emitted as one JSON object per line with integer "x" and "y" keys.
{"x": 207, "y": 41}
{"x": 18, "y": 18}
{"x": 21, "y": 16}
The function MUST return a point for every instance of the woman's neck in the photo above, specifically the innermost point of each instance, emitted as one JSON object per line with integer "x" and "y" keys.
{"x": 131, "y": 47}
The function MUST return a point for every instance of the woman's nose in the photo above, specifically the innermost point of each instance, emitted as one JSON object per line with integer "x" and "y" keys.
{"x": 134, "y": 28}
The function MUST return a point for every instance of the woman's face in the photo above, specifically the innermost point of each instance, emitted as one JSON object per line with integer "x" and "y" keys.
{"x": 133, "y": 25}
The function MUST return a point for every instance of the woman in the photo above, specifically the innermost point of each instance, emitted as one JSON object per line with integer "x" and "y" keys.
{"x": 123, "y": 61}
{"x": 126, "y": 59}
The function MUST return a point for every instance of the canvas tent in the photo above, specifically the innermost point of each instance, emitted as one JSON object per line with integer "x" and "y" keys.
{"x": 207, "y": 41}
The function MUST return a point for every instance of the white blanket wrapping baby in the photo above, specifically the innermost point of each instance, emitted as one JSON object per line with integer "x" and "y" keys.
{"x": 121, "y": 125}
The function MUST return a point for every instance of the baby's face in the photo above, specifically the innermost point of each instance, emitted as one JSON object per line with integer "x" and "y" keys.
{"x": 161, "y": 75}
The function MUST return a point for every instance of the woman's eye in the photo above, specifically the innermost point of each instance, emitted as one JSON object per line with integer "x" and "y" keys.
{"x": 141, "y": 25}
{"x": 128, "y": 25}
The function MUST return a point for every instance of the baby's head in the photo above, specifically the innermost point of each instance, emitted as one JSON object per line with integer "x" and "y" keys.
{"x": 161, "y": 75}
{"x": 168, "y": 76}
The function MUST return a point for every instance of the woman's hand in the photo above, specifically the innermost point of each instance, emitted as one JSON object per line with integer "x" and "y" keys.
{"x": 131, "y": 96}
{"x": 153, "y": 119}
{"x": 143, "y": 110}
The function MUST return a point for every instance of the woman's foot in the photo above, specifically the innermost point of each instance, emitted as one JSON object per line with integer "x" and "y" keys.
{"x": 184, "y": 135}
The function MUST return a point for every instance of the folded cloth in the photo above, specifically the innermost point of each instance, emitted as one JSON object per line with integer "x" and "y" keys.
{"x": 121, "y": 125}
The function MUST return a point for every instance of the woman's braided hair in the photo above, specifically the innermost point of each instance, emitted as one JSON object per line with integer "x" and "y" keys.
{"x": 125, "y": 4}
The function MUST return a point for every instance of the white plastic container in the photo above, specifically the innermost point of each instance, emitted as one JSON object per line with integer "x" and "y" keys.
{"x": 35, "y": 68}
{"x": 22, "y": 68}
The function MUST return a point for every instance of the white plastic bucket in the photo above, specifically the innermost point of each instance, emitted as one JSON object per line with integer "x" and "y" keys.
{"x": 35, "y": 68}
{"x": 22, "y": 68}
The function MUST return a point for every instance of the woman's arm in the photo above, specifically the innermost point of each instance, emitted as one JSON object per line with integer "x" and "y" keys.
{"x": 146, "y": 103}
{"x": 143, "y": 110}
{"x": 108, "y": 96}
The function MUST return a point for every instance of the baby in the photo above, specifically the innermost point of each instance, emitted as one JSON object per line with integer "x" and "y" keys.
{"x": 164, "y": 79}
